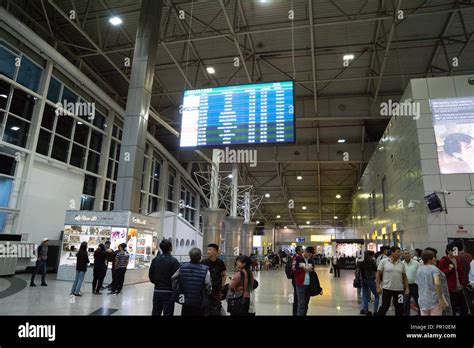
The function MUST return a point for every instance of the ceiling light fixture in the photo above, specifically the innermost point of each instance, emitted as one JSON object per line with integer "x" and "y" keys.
{"x": 299, "y": 177}
{"x": 15, "y": 128}
{"x": 257, "y": 222}
{"x": 348, "y": 57}
{"x": 211, "y": 70}
{"x": 115, "y": 20}
{"x": 230, "y": 176}
{"x": 267, "y": 195}
{"x": 278, "y": 216}
{"x": 338, "y": 196}
{"x": 304, "y": 207}
{"x": 341, "y": 141}
{"x": 308, "y": 222}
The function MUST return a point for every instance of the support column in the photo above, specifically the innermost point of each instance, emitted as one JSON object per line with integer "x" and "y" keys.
{"x": 248, "y": 228}
{"x": 138, "y": 105}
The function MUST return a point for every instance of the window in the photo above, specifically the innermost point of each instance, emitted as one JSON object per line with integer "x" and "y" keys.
{"x": 43, "y": 142}
{"x": 54, "y": 90}
{"x": 96, "y": 141}
{"x": 93, "y": 160}
{"x": 60, "y": 149}
{"x": 4, "y": 93}
{"x": 64, "y": 126}
{"x": 81, "y": 133}
{"x": 7, "y": 165}
{"x": 68, "y": 96}
{"x": 16, "y": 131}
{"x": 29, "y": 74}
{"x": 187, "y": 207}
{"x": 7, "y": 62}
{"x": 48, "y": 117}
{"x": 384, "y": 193}
{"x": 22, "y": 104}
{"x": 112, "y": 171}
{"x": 170, "y": 202}
{"x": 90, "y": 183}
{"x": 78, "y": 154}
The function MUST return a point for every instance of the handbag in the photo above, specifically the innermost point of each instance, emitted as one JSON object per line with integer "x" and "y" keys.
{"x": 315, "y": 288}
{"x": 235, "y": 299}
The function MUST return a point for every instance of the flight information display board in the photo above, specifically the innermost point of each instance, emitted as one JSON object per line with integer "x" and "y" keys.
{"x": 234, "y": 115}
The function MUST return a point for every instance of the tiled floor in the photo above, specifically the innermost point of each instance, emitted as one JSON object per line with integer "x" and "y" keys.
{"x": 272, "y": 297}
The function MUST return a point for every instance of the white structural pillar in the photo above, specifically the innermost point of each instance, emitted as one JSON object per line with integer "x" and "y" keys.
{"x": 232, "y": 225}
{"x": 248, "y": 228}
{"x": 213, "y": 217}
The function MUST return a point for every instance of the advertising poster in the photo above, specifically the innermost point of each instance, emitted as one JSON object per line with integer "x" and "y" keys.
{"x": 453, "y": 121}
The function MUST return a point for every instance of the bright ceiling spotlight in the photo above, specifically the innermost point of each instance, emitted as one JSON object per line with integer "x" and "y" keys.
{"x": 341, "y": 141}
{"x": 267, "y": 195}
{"x": 211, "y": 70}
{"x": 308, "y": 222}
{"x": 348, "y": 57}
{"x": 338, "y": 196}
{"x": 278, "y": 216}
{"x": 335, "y": 218}
{"x": 299, "y": 177}
{"x": 115, "y": 20}
{"x": 15, "y": 128}
{"x": 257, "y": 222}
{"x": 304, "y": 207}
{"x": 230, "y": 176}
{"x": 285, "y": 227}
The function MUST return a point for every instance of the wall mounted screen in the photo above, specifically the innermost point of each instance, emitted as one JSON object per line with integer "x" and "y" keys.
{"x": 453, "y": 120}
{"x": 234, "y": 115}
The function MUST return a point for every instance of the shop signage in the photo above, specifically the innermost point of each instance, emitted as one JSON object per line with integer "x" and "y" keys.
{"x": 138, "y": 221}
{"x": 300, "y": 240}
{"x": 85, "y": 218}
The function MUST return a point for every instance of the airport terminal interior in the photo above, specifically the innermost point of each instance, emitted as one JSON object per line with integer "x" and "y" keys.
{"x": 312, "y": 148}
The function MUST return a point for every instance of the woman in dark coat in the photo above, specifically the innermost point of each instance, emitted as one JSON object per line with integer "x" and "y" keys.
{"x": 81, "y": 268}
{"x": 100, "y": 268}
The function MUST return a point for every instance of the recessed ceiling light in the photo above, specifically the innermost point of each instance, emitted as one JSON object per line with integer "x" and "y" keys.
{"x": 79, "y": 122}
{"x": 211, "y": 70}
{"x": 348, "y": 57}
{"x": 230, "y": 176}
{"x": 335, "y": 218}
{"x": 115, "y": 20}
{"x": 278, "y": 216}
{"x": 257, "y": 222}
{"x": 304, "y": 207}
{"x": 299, "y": 177}
{"x": 285, "y": 227}
{"x": 338, "y": 196}
{"x": 308, "y": 222}
{"x": 267, "y": 195}
{"x": 341, "y": 141}
{"x": 359, "y": 217}
{"x": 15, "y": 128}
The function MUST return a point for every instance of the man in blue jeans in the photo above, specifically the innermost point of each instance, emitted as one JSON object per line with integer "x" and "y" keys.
{"x": 161, "y": 270}
{"x": 303, "y": 265}
{"x": 41, "y": 263}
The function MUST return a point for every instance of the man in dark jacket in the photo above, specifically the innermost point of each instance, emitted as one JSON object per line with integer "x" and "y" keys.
{"x": 194, "y": 285}
{"x": 303, "y": 264}
{"x": 41, "y": 263}
{"x": 161, "y": 270}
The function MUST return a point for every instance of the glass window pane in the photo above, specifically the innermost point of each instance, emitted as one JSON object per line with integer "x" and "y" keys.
{"x": 105, "y": 206}
{"x": 117, "y": 154}
{"x": 107, "y": 190}
{"x": 16, "y": 131}
{"x": 64, "y": 126}
{"x": 112, "y": 197}
{"x": 22, "y": 104}
{"x": 43, "y": 142}
{"x": 99, "y": 120}
{"x": 29, "y": 74}
{"x": 156, "y": 187}
{"x": 116, "y": 170}
{"x": 90, "y": 183}
{"x": 96, "y": 141}
{"x": 7, "y": 165}
{"x": 48, "y": 117}
{"x": 2, "y": 116}
{"x": 81, "y": 134}
{"x": 87, "y": 202}
{"x": 60, "y": 149}
{"x": 54, "y": 90}
{"x": 7, "y": 62}
{"x": 112, "y": 149}
{"x": 77, "y": 156}
{"x": 110, "y": 167}
{"x": 68, "y": 96}
{"x": 93, "y": 162}
{"x": 4, "y": 92}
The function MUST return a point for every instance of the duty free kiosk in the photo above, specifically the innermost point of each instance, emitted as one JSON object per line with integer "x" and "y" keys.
{"x": 139, "y": 232}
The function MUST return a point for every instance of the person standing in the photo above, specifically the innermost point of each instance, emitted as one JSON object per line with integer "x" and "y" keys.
{"x": 303, "y": 265}
{"x": 110, "y": 259}
{"x": 411, "y": 267}
{"x": 367, "y": 270}
{"x": 452, "y": 267}
{"x": 336, "y": 265}
{"x": 394, "y": 284}
{"x": 466, "y": 260}
{"x": 121, "y": 263}
{"x": 161, "y": 270}
{"x": 243, "y": 285}
{"x": 100, "y": 268}
{"x": 41, "y": 263}
{"x": 383, "y": 254}
{"x": 217, "y": 271}
{"x": 289, "y": 273}
{"x": 432, "y": 286}
{"x": 82, "y": 260}
{"x": 194, "y": 285}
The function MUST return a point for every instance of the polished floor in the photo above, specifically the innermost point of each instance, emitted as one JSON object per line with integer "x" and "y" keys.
{"x": 273, "y": 297}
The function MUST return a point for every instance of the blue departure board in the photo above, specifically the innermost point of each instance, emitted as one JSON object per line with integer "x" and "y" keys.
{"x": 234, "y": 115}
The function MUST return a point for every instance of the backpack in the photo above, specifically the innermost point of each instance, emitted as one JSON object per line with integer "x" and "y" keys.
{"x": 288, "y": 268}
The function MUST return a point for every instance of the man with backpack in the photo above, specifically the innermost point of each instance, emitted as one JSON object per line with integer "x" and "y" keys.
{"x": 289, "y": 275}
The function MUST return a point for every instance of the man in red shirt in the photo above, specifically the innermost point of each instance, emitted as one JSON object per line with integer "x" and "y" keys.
{"x": 452, "y": 267}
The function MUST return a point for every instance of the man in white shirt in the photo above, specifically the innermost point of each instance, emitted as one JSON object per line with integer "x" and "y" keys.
{"x": 394, "y": 284}
{"x": 411, "y": 267}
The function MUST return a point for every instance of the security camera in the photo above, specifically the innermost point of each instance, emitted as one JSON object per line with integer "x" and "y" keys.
{"x": 411, "y": 205}
{"x": 444, "y": 192}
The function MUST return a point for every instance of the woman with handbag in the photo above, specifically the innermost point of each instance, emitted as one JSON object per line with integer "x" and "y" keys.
{"x": 240, "y": 288}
